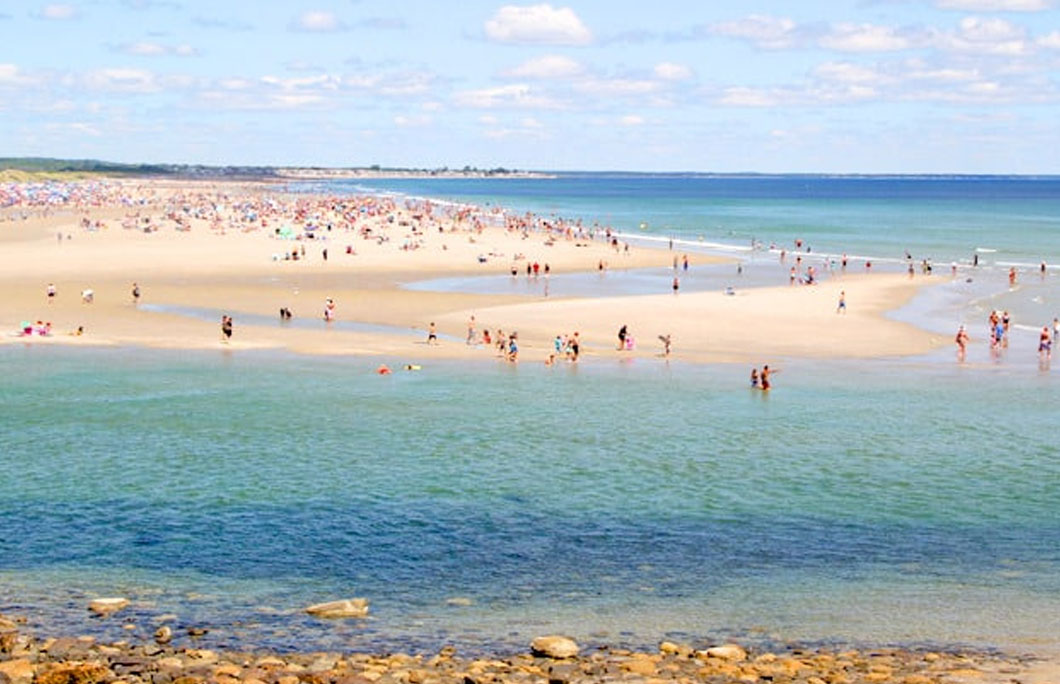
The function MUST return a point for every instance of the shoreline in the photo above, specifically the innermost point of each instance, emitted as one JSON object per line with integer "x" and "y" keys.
{"x": 160, "y": 653}
{"x": 229, "y": 248}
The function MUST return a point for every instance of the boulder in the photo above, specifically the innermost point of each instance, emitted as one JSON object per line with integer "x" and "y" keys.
{"x": 726, "y": 652}
{"x": 107, "y": 606}
{"x": 554, "y": 646}
{"x": 163, "y": 635}
{"x": 17, "y": 671}
{"x": 346, "y": 608}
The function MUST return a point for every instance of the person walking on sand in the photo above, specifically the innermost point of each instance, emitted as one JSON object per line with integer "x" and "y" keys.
{"x": 226, "y": 328}
{"x": 136, "y": 294}
{"x": 622, "y": 332}
{"x": 666, "y": 340}
{"x": 432, "y": 334}
{"x": 51, "y": 292}
{"x": 471, "y": 331}
{"x": 842, "y": 306}
{"x": 962, "y": 343}
{"x": 677, "y": 284}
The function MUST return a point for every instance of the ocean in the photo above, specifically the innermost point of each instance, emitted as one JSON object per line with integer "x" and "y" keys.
{"x": 898, "y": 501}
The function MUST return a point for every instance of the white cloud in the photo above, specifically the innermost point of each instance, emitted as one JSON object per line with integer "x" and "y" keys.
{"x": 11, "y": 75}
{"x": 547, "y": 67}
{"x": 537, "y": 24}
{"x": 122, "y": 80}
{"x": 617, "y": 87}
{"x": 58, "y": 12}
{"x": 671, "y": 71}
{"x": 323, "y": 82}
{"x": 149, "y": 49}
{"x": 863, "y": 38}
{"x": 631, "y": 120}
{"x": 847, "y": 72}
{"x": 765, "y": 32}
{"x": 740, "y": 96}
{"x": 1051, "y": 41}
{"x": 317, "y": 21}
{"x": 984, "y": 36}
{"x": 515, "y": 95}
{"x": 996, "y": 5}
{"x": 488, "y": 119}
{"x": 414, "y": 121}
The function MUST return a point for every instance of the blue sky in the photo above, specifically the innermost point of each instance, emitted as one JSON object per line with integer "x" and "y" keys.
{"x": 872, "y": 86}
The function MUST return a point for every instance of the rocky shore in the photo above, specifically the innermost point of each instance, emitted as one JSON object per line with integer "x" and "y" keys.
{"x": 27, "y": 659}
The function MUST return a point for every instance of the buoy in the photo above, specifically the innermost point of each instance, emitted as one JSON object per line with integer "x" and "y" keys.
{"x": 382, "y": 370}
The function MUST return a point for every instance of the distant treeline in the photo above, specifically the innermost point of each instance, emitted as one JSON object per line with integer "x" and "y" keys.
{"x": 94, "y": 166}
{"x": 44, "y": 165}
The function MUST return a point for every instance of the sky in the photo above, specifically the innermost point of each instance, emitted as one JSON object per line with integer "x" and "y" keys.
{"x": 817, "y": 86}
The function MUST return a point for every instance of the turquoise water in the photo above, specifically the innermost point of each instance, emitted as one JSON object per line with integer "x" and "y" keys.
{"x": 909, "y": 501}
{"x": 940, "y": 218}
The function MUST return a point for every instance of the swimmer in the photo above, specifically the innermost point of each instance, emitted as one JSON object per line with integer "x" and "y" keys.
{"x": 382, "y": 369}
{"x": 754, "y": 378}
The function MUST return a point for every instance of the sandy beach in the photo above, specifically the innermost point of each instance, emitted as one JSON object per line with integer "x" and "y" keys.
{"x": 198, "y": 250}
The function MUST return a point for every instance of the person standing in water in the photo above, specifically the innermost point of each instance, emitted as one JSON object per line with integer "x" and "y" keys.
{"x": 766, "y": 382}
{"x": 962, "y": 343}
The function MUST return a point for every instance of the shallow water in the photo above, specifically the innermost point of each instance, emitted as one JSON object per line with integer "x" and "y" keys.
{"x": 910, "y": 501}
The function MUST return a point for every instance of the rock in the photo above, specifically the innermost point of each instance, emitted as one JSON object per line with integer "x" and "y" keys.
{"x": 347, "y": 608}
{"x": 163, "y": 635}
{"x": 197, "y": 631}
{"x": 7, "y": 625}
{"x": 458, "y": 601}
{"x": 670, "y": 648}
{"x": 17, "y": 671}
{"x": 75, "y": 673}
{"x": 643, "y": 666}
{"x": 726, "y": 652}
{"x": 107, "y": 606}
{"x": 554, "y": 646}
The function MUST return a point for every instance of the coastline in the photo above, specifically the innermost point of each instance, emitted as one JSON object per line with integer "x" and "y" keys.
{"x": 234, "y": 265}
